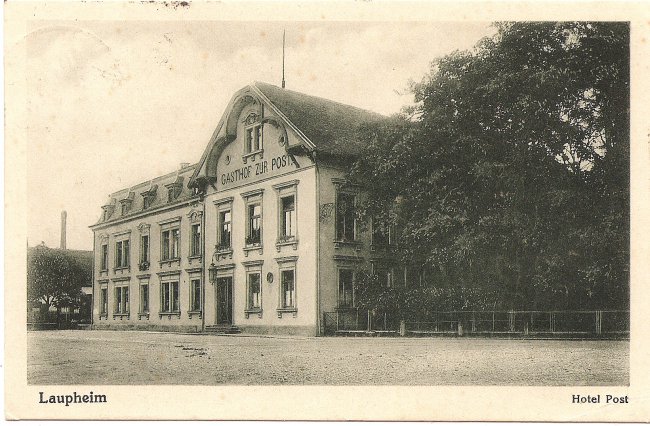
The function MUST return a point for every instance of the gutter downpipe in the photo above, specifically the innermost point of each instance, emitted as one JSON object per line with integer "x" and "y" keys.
{"x": 205, "y": 273}
{"x": 92, "y": 298}
{"x": 318, "y": 313}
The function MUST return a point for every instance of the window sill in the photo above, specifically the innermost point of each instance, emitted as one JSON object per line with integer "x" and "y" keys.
{"x": 169, "y": 262}
{"x": 169, "y": 315}
{"x": 224, "y": 253}
{"x": 103, "y": 316}
{"x": 191, "y": 313}
{"x": 348, "y": 243}
{"x": 195, "y": 256}
{"x": 382, "y": 247}
{"x": 143, "y": 314}
{"x": 283, "y": 242}
{"x": 252, "y": 247}
{"x": 251, "y": 155}
{"x": 254, "y": 311}
{"x": 121, "y": 316}
{"x": 293, "y": 311}
{"x": 122, "y": 269}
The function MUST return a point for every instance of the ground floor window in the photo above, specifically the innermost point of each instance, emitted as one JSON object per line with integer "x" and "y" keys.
{"x": 144, "y": 298}
{"x": 288, "y": 284}
{"x": 254, "y": 291}
{"x": 346, "y": 290}
{"x": 104, "y": 301}
{"x": 195, "y": 295}
{"x": 169, "y": 297}
{"x": 122, "y": 300}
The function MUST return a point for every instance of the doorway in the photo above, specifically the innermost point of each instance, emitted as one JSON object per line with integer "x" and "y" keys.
{"x": 224, "y": 300}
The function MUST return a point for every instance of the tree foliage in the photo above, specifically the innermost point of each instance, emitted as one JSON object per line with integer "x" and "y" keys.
{"x": 509, "y": 181}
{"x": 55, "y": 277}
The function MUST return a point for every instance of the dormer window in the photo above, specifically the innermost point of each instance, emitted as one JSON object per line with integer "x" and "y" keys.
{"x": 174, "y": 189}
{"x": 148, "y": 197}
{"x": 107, "y": 210}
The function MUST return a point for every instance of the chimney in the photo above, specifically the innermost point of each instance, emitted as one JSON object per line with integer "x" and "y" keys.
{"x": 63, "y": 225}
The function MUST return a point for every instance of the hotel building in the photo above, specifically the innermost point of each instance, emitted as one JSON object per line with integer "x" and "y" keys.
{"x": 259, "y": 236}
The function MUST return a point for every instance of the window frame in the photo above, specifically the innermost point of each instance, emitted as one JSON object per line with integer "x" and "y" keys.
{"x": 251, "y": 199}
{"x": 223, "y": 206}
{"x": 340, "y": 271}
{"x": 340, "y": 233}
{"x": 195, "y": 306}
{"x": 123, "y": 253}
{"x": 144, "y": 304}
{"x": 122, "y": 305}
{"x": 103, "y": 261}
{"x": 169, "y": 284}
{"x": 285, "y": 190}
{"x": 253, "y": 268}
{"x": 170, "y": 246}
{"x": 195, "y": 240}
{"x": 103, "y": 299}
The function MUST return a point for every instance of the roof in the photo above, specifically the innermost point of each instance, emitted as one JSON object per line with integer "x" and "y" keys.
{"x": 331, "y": 126}
{"x": 156, "y": 192}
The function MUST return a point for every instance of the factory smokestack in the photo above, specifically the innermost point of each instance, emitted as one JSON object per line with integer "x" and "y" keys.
{"x": 64, "y": 217}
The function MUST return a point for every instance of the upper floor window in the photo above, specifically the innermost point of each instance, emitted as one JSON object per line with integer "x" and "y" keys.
{"x": 125, "y": 208}
{"x": 170, "y": 243}
{"x": 345, "y": 212}
{"x": 254, "y": 224}
{"x": 104, "y": 257}
{"x": 225, "y": 229}
{"x": 144, "y": 249}
{"x": 253, "y": 141}
{"x": 195, "y": 240}
{"x": 144, "y": 297}
{"x": 381, "y": 235}
{"x": 288, "y": 225}
{"x": 122, "y": 254}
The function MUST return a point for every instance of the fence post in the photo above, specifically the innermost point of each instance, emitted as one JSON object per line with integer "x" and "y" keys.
{"x": 369, "y": 328}
{"x": 402, "y": 328}
{"x": 599, "y": 322}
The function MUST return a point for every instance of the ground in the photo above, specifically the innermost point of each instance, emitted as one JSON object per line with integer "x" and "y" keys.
{"x": 142, "y": 358}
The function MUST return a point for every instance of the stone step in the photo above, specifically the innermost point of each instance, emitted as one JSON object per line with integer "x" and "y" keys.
{"x": 222, "y": 329}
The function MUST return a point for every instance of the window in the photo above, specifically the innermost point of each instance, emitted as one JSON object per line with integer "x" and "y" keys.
{"x": 254, "y": 224}
{"x": 288, "y": 216}
{"x": 144, "y": 249}
{"x": 104, "y": 257}
{"x": 146, "y": 202}
{"x": 195, "y": 295}
{"x": 254, "y": 291}
{"x": 170, "y": 243}
{"x": 346, "y": 290}
{"x": 104, "y": 301}
{"x": 385, "y": 276}
{"x": 144, "y": 298}
{"x": 122, "y": 299}
{"x": 169, "y": 297}
{"x": 287, "y": 278}
{"x": 225, "y": 229}
{"x": 195, "y": 243}
{"x": 345, "y": 226}
{"x": 254, "y": 139}
{"x": 380, "y": 235}
{"x": 122, "y": 254}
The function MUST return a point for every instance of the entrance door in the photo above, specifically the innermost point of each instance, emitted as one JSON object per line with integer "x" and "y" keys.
{"x": 224, "y": 300}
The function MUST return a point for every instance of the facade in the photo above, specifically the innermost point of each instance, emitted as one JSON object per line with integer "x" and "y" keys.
{"x": 259, "y": 235}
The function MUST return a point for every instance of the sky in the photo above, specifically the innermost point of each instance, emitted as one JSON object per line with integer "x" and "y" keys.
{"x": 114, "y": 103}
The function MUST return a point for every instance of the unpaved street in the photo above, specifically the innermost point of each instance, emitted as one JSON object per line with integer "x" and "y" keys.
{"x": 143, "y": 358}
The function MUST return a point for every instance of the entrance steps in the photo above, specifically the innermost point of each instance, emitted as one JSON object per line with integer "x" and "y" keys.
{"x": 222, "y": 329}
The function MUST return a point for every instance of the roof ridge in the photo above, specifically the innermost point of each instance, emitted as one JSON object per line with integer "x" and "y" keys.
{"x": 321, "y": 98}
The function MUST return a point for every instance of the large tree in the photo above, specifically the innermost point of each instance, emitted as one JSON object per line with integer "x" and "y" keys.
{"x": 508, "y": 180}
{"x": 55, "y": 277}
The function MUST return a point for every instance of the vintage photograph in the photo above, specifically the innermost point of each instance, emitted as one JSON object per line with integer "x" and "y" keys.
{"x": 326, "y": 202}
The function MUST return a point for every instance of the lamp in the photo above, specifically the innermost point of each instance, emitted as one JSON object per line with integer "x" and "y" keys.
{"x": 212, "y": 273}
